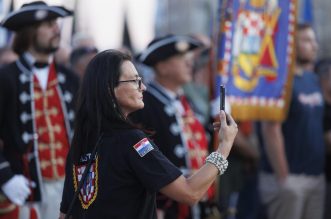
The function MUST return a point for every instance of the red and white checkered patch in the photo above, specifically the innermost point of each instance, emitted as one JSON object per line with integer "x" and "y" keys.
{"x": 88, "y": 192}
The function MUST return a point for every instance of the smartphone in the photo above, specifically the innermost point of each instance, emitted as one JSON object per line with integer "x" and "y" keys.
{"x": 222, "y": 101}
{"x": 222, "y": 97}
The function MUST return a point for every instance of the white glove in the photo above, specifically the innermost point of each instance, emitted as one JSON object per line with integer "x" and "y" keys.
{"x": 17, "y": 189}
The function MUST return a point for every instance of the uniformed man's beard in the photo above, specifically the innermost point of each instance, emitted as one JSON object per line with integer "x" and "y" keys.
{"x": 47, "y": 50}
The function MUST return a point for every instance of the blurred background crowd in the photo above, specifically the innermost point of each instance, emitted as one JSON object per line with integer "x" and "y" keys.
{"x": 129, "y": 25}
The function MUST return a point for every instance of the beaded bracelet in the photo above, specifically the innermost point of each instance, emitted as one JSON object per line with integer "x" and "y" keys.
{"x": 219, "y": 161}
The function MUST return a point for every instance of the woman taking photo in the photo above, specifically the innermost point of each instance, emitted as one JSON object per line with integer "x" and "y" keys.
{"x": 126, "y": 169}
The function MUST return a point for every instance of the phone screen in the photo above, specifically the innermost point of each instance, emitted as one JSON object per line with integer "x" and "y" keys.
{"x": 222, "y": 97}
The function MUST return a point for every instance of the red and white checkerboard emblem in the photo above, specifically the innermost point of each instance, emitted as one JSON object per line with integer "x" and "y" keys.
{"x": 89, "y": 190}
{"x": 252, "y": 23}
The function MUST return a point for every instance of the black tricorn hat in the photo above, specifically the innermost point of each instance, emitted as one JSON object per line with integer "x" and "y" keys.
{"x": 33, "y": 13}
{"x": 164, "y": 47}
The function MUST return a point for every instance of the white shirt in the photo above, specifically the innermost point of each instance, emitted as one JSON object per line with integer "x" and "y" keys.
{"x": 40, "y": 73}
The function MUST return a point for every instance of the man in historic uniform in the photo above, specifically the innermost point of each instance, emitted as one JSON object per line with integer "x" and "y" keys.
{"x": 167, "y": 112}
{"x": 36, "y": 112}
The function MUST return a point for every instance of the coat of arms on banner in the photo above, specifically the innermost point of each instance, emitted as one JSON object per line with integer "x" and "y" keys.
{"x": 89, "y": 190}
{"x": 256, "y": 57}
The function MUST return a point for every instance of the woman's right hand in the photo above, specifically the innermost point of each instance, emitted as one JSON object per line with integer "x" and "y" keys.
{"x": 227, "y": 131}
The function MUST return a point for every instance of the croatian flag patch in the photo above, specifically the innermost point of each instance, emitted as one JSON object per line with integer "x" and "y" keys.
{"x": 143, "y": 147}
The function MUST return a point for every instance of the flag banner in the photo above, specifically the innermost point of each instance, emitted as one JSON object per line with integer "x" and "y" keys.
{"x": 306, "y": 11}
{"x": 256, "y": 57}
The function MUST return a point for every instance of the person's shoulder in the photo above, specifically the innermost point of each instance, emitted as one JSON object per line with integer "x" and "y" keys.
{"x": 68, "y": 73}
{"x": 133, "y": 135}
{"x": 124, "y": 138}
{"x": 7, "y": 73}
{"x": 65, "y": 70}
{"x": 125, "y": 134}
{"x": 313, "y": 78}
{"x": 8, "y": 68}
{"x": 310, "y": 75}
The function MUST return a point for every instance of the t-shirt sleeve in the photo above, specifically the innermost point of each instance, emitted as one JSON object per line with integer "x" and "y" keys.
{"x": 152, "y": 168}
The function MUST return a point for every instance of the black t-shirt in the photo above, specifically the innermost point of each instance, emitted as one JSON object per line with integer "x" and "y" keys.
{"x": 125, "y": 176}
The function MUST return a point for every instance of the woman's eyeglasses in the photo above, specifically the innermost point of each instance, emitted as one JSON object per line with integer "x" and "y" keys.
{"x": 137, "y": 81}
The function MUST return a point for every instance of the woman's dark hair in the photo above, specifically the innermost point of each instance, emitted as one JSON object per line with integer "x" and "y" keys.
{"x": 97, "y": 104}
{"x": 23, "y": 39}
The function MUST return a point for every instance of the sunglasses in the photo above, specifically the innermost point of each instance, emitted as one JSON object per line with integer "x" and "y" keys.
{"x": 137, "y": 81}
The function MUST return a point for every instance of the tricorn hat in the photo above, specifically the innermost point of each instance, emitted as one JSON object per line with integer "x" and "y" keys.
{"x": 33, "y": 13}
{"x": 165, "y": 47}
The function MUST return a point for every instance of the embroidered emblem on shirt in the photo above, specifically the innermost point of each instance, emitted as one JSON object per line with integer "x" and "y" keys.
{"x": 312, "y": 100}
{"x": 143, "y": 147}
{"x": 89, "y": 190}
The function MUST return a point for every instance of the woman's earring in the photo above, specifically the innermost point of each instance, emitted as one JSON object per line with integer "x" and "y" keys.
{"x": 111, "y": 98}
{"x": 113, "y": 102}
